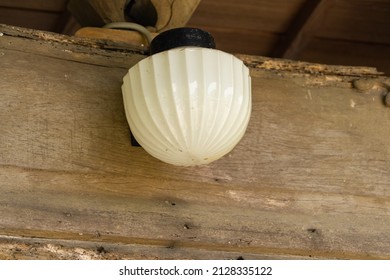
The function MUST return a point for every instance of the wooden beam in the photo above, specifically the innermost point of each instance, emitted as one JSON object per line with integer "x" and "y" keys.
{"x": 308, "y": 180}
{"x": 302, "y": 29}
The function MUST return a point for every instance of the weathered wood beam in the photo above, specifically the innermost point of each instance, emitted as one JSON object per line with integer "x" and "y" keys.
{"x": 302, "y": 29}
{"x": 308, "y": 180}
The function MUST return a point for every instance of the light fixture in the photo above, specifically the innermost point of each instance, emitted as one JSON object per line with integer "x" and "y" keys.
{"x": 187, "y": 103}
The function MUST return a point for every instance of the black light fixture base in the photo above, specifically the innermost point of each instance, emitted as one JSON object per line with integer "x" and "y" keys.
{"x": 181, "y": 37}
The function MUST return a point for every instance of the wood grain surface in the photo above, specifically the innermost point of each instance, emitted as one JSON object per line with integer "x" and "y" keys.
{"x": 310, "y": 179}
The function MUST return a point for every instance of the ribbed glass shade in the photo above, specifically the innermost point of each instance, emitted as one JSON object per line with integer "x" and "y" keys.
{"x": 188, "y": 106}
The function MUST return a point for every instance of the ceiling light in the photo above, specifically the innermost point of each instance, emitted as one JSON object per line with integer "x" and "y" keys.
{"x": 187, "y": 103}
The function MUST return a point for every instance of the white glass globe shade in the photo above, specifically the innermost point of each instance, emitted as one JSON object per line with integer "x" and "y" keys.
{"x": 189, "y": 105}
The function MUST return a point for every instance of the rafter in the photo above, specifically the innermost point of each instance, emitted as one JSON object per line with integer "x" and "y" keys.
{"x": 302, "y": 29}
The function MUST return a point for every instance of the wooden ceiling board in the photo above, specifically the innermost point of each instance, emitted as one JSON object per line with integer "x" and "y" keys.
{"x": 41, "y": 5}
{"x": 242, "y": 41}
{"x": 259, "y": 15}
{"x": 358, "y": 20}
{"x": 29, "y": 18}
{"x": 348, "y": 53}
